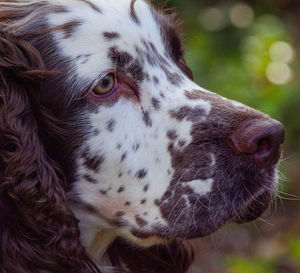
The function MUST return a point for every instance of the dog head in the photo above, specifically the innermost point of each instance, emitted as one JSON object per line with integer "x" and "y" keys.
{"x": 161, "y": 156}
{"x": 148, "y": 154}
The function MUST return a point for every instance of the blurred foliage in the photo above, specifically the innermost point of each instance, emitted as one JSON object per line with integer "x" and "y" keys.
{"x": 294, "y": 247}
{"x": 249, "y": 52}
{"x": 240, "y": 264}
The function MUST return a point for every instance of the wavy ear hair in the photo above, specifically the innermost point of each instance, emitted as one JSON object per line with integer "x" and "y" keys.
{"x": 38, "y": 232}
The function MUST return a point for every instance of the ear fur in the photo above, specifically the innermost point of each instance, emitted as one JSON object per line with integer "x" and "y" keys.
{"x": 38, "y": 232}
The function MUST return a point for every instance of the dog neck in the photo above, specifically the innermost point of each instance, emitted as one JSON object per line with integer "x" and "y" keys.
{"x": 98, "y": 246}
{"x": 94, "y": 237}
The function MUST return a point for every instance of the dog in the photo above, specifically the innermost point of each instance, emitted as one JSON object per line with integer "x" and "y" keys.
{"x": 111, "y": 157}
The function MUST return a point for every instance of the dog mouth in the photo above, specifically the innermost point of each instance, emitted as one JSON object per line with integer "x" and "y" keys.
{"x": 247, "y": 211}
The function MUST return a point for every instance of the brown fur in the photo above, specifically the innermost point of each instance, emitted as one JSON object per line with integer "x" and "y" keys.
{"x": 173, "y": 258}
{"x": 39, "y": 233}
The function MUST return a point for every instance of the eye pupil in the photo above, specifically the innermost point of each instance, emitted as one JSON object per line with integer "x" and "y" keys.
{"x": 105, "y": 86}
{"x": 106, "y": 82}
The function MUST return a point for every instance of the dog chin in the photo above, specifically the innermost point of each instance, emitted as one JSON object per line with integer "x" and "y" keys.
{"x": 254, "y": 209}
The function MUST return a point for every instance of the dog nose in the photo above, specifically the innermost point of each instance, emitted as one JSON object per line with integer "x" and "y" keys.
{"x": 260, "y": 138}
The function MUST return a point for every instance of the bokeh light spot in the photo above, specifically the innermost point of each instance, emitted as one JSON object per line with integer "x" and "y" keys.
{"x": 241, "y": 15}
{"x": 212, "y": 19}
{"x": 253, "y": 44}
{"x": 281, "y": 52}
{"x": 279, "y": 73}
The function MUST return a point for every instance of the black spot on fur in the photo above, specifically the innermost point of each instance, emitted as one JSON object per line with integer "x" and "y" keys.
{"x": 135, "y": 147}
{"x": 119, "y": 146}
{"x": 146, "y": 188}
{"x": 141, "y": 173}
{"x": 181, "y": 142}
{"x": 126, "y": 64}
{"x": 143, "y": 201}
{"x": 120, "y": 213}
{"x": 155, "y": 80}
{"x": 121, "y": 189}
{"x": 90, "y": 179}
{"x": 118, "y": 219}
{"x": 83, "y": 58}
{"x": 88, "y": 208}
{"x": 191, "y": 114}
{"x": 92, "y": 162}
{"x": 111, "y": 35}
{"x": 127, "y": 203}
{"x": 123, "y": 157}
{"x": 140, "y": 221}
{"x": 119, "y": 58}
{"x": 111, "y": 125}
{"x": 136, "y": 70}
{"x": 174, "y": 78}
{"x": 147, "y": 76}
{"x": 153, "y": 57}
{"x": 104, "y": 192}
{"x": 146, "y": 118}
{"x": 138, "y": 50}
{"x": 70, "y": 28}
{"x": 171, "y": 134}
{"x": 120, "y": 222}
{"x": 156, "y": 103}
{"x": 96, "y": 132}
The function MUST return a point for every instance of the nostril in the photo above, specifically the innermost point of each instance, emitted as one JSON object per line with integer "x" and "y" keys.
{"x": 263, "y": 147}
{"x": 259, "y": 138}
{"x": 266, "y": 153}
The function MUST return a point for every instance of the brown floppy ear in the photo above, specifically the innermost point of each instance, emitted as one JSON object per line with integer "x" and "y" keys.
{"x": 175, "y": 257}
{"x": 38, "y": 232}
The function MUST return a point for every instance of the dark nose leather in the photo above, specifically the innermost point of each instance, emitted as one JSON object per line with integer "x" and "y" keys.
{"x": 260, "y": 138}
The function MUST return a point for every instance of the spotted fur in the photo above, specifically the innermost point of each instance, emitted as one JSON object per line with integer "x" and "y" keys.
{"x": 147, "y": 166}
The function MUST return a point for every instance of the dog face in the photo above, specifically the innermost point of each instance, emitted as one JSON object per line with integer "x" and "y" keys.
{"x": 150, "y": 154}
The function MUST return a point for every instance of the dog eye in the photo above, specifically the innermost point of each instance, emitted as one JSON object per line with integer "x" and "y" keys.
{"x": 106, "y": 85}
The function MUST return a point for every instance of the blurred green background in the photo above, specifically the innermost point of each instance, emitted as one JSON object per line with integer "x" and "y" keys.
{"x": 250, "y": 52}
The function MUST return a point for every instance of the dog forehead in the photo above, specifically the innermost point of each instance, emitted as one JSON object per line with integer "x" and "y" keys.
{"x": 92, "y": 28}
